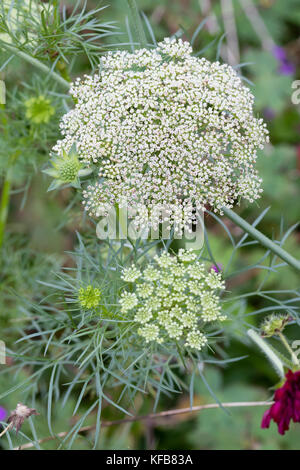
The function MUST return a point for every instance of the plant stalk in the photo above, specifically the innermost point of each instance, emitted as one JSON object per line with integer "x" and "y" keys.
{"x": 152, "y": 416}
{"x": 273, "y": 358}
{"x": 6, "y": 429}
{"x": 288, "y": 348}
{"x": 36, "y": 63}
{"x": 137, "y": 23}
{"x": 5, "y": 197}
{"x": 262, "y": 239}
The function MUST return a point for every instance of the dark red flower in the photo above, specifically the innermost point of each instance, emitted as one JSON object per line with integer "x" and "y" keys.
{"x": 287, "y": 404}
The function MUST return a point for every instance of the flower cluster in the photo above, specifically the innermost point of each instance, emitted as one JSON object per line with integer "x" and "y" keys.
{"x": 172, "y": 298}
{"x": 165, "y": 129}
{"x": 89, "y": 297}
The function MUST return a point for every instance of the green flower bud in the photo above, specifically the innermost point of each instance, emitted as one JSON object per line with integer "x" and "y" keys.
{"x": 66, "y": 169}
{"x": 274, "y": 324}
{"x": 89, "y": 297}
{"x": 39, "y": 110}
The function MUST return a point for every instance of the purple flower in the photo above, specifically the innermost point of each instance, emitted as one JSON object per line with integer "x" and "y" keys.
{"x": 285, "y": 67}
{"x": 279, "y": 53}
{"x": 269, "y": 114}
{"x": 217, "y": 267}
{"x": 287, "y": 404}
{"x": 3, "y": 413}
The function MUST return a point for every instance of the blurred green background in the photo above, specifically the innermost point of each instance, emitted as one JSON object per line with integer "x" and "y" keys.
{"x": 264, "y": 36}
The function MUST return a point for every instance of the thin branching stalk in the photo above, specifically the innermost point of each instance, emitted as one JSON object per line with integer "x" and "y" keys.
{"x": 5, "y": 430}
{"x": 262, "y": 239}
{"x": 288, "y": 348}
{"x": 162, "y": 414}
{"x": 36, "y": 63}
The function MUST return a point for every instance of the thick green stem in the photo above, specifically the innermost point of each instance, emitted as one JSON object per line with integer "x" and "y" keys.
{"x": 5, "y": 196}
{"x": 121, "y": 224}
{"x": 36, "y": 63}
{"x": 122, "y": 227}
{"x": 262, "y": 239}
{"x": 137, "y": 23}
{"x": 273, "y": 358}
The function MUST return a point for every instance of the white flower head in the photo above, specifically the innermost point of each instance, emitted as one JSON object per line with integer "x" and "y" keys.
{"x": 143, "y": 315}
{"x": 173, "y": 307}
{"x": 131, "y": 274}
{"x": 150, "y": 332}
{"x": 196, "y": 340}
{"x": 128, "y": 301}
{"x": 165, "y": 129}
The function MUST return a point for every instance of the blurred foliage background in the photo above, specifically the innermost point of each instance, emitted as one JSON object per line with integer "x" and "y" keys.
{"x": 263, "y": 36}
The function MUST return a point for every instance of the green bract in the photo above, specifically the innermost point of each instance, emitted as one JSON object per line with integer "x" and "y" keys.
{"x": 66, "y": 169}
{"x": 274, "y": 324}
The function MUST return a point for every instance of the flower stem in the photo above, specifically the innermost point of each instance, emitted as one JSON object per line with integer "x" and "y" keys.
{"x": 137, "y": 23}
{"x": 122, "y": 228}
{"x": 152, "y": 416}
{"x": 273, "y": 358}
{"x": 6, "y": 429}
{"x": 36, "y": 63}
{"x": 5, "y": 197}
{"x": 288, "y": 347}
{"x": 262, "y": 239}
